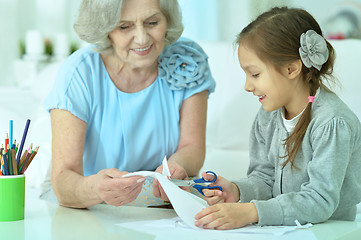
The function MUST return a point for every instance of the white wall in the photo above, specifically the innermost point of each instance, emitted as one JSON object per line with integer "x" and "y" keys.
{"x": 18, "y": 16}
{"x": 204, "y": 20}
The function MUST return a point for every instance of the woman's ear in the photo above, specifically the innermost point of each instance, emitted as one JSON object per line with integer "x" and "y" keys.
{"x": 293, "y": 70}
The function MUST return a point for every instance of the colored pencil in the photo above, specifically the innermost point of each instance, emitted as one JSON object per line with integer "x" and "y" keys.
{"x": 16, "y": 148}
{"x": 21, "y": 162}
{"x": 6, "y": 142}
{"x": 8, "y": 157}
{"x": 1, "y": 162}
{"x": 27, "y": 157}
{"x": 11, "y": 132}
{"x": 6, "y": 167}
{"x": 23, "y": 140}
{"x": 33, "y": 154}
{"x": 13, "y": 162}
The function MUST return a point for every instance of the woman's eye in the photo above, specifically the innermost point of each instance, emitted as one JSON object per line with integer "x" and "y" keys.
{"x": 153, "y": 23}
{"x": 255, "y": 75}
{"x": 124, "y": 27}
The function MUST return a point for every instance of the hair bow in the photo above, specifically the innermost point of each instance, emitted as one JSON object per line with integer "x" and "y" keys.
{"x": 313, "y": 50}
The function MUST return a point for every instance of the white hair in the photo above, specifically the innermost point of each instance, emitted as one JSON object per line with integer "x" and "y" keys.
{"x": 97, "y": 18}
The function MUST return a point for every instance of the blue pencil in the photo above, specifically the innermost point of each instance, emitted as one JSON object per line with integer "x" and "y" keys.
{"x": 22, "y": 141}
{"x": 11, "y": 133}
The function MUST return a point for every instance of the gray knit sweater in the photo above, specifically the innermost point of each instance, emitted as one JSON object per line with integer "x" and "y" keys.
{"x": 327, "y": 183}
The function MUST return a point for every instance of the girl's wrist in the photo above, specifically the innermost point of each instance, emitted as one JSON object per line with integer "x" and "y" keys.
{"x": 253, "y": 213}
{"x": 236, "y": 192}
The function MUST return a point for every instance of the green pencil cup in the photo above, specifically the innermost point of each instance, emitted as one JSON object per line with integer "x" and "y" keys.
{"x": 12, "y": 197}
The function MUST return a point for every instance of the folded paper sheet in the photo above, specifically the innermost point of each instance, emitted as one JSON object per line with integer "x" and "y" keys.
{"x": 186, "y": 204}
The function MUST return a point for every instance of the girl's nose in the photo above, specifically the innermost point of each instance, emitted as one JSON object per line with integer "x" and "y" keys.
{"x": 248, "y": 86}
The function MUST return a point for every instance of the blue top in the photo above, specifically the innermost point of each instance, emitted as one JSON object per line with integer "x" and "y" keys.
{"x": 130, "y": 131}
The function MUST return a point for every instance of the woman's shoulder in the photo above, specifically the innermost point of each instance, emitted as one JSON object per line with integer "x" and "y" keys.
{"x": 184, "y": 64}
{"x": 82, "y": 56}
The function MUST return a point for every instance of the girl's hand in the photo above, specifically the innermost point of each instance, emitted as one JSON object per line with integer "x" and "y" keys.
{"x": 176, "y": 171}
{"x": 229, "y": 194}
{"x": 115, "y": 190}
{"x": 225, "y": 216}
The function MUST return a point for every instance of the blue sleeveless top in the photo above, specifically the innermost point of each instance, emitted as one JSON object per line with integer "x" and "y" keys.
{"x": 130, "y": 131}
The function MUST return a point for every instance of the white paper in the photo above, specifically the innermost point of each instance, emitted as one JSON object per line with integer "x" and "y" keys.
{"x": 186, "y": 204}
{"x": 165, "y": 171}
{"x": 177, "y": 223}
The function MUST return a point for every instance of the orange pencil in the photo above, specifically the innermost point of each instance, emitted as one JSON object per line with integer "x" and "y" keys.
{"x": 6, "y": 142}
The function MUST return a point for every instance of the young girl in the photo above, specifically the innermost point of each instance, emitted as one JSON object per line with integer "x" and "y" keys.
{"x": 305, "y": 144}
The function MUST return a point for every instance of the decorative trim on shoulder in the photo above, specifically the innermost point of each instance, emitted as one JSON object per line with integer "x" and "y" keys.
{"x": 183, "y": 65}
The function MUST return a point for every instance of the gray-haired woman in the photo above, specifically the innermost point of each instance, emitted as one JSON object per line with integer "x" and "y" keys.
{"x": 136, "y": 94}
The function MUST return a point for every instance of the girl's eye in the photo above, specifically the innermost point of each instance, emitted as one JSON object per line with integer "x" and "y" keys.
{"x": 255, "y": 75}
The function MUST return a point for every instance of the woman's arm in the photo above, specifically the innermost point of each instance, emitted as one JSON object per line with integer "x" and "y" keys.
{"x": 70, "y": 186}
{"x": 189, "y": 157}
{"x": 191, "y": 149}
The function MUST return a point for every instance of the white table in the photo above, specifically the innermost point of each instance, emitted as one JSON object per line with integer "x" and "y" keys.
{"x": 47, "y": 220}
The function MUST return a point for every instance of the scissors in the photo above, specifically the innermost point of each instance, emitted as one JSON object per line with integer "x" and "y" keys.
{"x": 193, "y": 183}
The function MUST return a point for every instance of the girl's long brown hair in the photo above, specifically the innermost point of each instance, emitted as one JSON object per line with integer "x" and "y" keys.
{"x": 275, "y": 37}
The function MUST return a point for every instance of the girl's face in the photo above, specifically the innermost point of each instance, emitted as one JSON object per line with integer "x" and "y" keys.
{"x": 274, "y": 89}
{"x": 139, "y": 39}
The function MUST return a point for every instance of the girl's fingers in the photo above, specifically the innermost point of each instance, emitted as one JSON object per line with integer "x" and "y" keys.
{"x": 205, "y": 218}
{"x": 212, "y": 193}
{"x": 207, "y": 176}
{"x": 214, "y": 200}
{"x": 205, "y": 212}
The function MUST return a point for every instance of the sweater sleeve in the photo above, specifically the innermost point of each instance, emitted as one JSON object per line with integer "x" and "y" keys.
{"x": 260, "y": 174}
{"x": 317, "y": 200}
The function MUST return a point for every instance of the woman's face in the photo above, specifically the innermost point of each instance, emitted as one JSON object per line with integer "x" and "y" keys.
{"x": 139, "y": 38}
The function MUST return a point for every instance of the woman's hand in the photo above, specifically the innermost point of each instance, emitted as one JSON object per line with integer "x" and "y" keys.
{"x": 115, "y": 190}
{"x": 229, "y": 194}
{"x": 225, "y": 216}
{"x": 176, "y": 171}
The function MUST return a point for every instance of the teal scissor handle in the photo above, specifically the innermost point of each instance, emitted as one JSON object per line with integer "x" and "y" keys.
{"x": 202, "y": 180}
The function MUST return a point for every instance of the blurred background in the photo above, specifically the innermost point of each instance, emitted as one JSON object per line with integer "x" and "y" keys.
{"x": 39, "y": 32}
{"x": 37, "y": 35}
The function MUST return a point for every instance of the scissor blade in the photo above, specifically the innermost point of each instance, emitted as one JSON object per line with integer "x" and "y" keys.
{"x": 182, "y": 183}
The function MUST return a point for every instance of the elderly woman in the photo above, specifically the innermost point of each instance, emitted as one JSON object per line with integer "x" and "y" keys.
{"x": 136, "y": 94}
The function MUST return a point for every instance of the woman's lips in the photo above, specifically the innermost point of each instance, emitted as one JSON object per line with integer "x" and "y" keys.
{"x": 142, "y": 51}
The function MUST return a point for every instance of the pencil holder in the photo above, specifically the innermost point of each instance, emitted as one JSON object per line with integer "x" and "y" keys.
{"x": 12, "y": 197}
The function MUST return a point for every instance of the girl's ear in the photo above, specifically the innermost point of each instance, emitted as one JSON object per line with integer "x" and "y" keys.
{"x": 293, "y": 70}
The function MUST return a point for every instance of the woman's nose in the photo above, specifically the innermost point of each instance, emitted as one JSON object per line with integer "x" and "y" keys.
{"x": 141, "y": 36}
